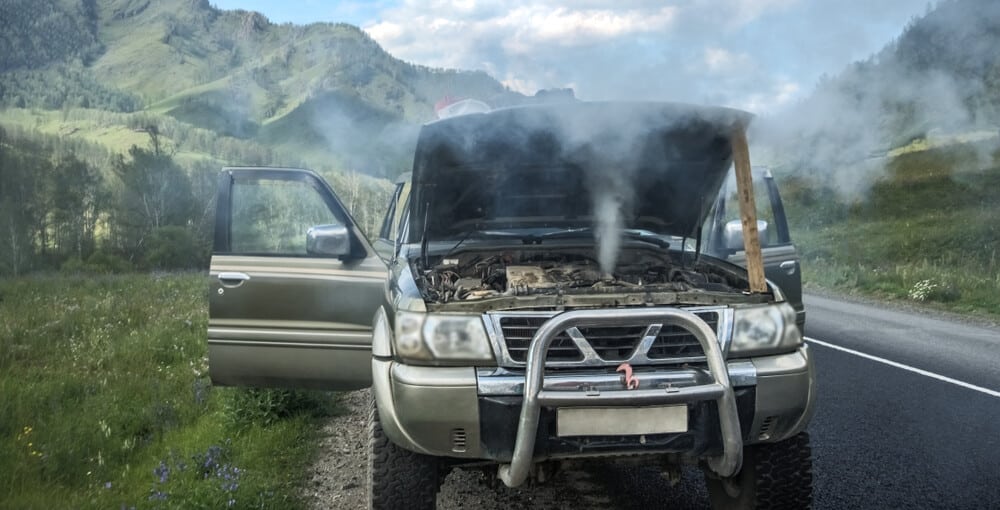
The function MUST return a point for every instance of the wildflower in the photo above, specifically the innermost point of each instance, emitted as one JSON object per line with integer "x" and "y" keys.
{"x": 923, "y": 290}
{"x": 162, "y": 471}
{"x": 200, "y": 390}
{"x": 107, "y": 485}
{"x": 230, "y": 476}
{"x": 212, "y": 456}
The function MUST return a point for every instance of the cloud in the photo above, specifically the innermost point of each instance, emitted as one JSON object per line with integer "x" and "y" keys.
{"x": 722, "y": 60}
{"x": 759, "y": 54}
{"x": 537, "y": 25}
{"x": 458, "y": 32}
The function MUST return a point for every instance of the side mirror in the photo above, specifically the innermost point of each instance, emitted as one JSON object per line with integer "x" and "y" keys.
{"x": 328, "y": 240}
{"x": 732, "y": 234}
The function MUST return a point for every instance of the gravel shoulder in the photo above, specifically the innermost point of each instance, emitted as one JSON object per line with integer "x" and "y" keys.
{"x": 337, "y": 476}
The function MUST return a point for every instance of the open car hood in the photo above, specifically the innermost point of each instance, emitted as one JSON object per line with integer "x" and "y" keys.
{"x": 654, "y": 166}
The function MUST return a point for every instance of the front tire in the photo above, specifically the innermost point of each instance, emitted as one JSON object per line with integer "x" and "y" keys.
{"x": 398, "y": 479}
{"x": 773, "y": 476}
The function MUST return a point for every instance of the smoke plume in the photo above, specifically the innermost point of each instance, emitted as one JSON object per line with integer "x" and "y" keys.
{"x": 930, "y": 85}
{"x": 608, "y": 212}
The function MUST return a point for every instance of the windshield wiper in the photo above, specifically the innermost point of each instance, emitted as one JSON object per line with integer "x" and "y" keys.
{"x": 638, "y": 235}
{"x": 484, "y": 234}
{"x": 581, "y": 232}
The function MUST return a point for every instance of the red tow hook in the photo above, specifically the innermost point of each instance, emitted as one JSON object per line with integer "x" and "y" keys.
{"x": 630, "y": 381}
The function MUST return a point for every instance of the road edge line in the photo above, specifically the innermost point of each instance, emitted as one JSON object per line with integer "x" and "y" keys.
{"x": 932, "y": 375}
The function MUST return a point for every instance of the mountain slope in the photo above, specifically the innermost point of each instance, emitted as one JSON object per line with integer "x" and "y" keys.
{"x": 292, "y": 88}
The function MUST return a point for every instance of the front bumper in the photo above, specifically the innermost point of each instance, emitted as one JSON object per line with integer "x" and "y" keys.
{"x": 471, "y": 413}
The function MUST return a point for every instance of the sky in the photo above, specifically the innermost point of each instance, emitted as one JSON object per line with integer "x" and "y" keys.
{"x": 759, "y": 55}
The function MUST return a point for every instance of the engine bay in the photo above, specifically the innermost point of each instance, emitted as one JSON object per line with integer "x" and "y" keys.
{"x": 479, "y": 275}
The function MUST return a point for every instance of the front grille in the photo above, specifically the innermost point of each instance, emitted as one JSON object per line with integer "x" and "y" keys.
{"x": 610, "y": 344}
{"x": 677, "y": 342}
{"x": 518, "y": 332}
{"x": 616, "y": 343}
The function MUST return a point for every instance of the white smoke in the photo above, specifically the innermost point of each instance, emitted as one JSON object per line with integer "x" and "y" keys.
{"x": 925, "y": 89}
{"x": 607, "y": 205}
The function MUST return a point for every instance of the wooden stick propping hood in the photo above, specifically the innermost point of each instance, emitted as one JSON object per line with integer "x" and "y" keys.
{"x": 748, "y": 210}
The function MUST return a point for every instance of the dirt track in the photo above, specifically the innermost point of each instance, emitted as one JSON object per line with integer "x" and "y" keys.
{"x": 338, "y": 479}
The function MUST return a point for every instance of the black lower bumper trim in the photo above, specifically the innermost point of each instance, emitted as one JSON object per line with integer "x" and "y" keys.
{"x": 498, "y": 420}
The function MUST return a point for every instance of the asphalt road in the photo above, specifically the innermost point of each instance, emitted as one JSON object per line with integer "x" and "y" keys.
{"x": 885, "y": 436}
{"x": 908, "y": 417}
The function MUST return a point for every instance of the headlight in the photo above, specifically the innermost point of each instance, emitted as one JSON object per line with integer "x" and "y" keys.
{"x": 767, "y": 329}
{"x": 427, "y": 337}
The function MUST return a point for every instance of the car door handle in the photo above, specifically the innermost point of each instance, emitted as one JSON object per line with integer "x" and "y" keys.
{"x": 232, "y": 280}
{"x": 788, "y": 266}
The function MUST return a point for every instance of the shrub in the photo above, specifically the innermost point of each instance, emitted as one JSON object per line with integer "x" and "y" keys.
{"x": 100, "y": 262}
{"x": 253, "y": 406}
{"x": 104, "y": 262}
{"x": 174, "y": 247}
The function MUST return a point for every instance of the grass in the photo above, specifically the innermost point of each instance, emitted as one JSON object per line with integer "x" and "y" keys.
{"x": 926, "y": 232}
{"x": 105, "y": 403}
{"x": 957, "y": 289}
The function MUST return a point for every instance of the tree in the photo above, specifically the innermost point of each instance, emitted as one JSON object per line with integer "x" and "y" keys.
{"x": 153, "y": 192}
{"x": 75, "y": 200}
{"x": 21, "y": 209}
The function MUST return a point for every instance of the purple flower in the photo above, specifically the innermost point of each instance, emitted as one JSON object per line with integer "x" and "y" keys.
{"x": 230, "y": 476}
{"x": 212, "y": 457}
{"x": 162, "y": 471}
{"x": 200, "y": 391}
{"x": 107, "y": 485}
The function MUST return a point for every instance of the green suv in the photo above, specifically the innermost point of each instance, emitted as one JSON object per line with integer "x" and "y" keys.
{"x": 551, "y": 283}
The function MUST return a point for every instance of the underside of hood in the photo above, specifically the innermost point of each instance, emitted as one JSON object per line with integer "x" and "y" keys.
{"x": 651, "y": 166}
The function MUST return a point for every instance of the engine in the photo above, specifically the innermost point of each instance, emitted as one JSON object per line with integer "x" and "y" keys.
{"x": 475, "y": 276}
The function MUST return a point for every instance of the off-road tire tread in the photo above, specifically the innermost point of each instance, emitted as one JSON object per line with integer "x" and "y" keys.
{"x": 784, "y": 474}
{"x": 399, "y": 479}
{"x": 775, "y": 476}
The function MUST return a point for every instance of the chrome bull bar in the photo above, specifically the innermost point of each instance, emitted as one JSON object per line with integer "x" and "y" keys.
{"x": 720, "y": 390}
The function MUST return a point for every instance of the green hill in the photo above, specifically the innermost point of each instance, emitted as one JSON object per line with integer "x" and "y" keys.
{"x": 234, "y": 74}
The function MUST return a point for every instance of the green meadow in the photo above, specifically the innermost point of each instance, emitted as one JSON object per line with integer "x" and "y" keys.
{"x": 105, "y": 402}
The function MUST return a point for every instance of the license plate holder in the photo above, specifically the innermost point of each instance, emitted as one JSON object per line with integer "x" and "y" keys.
{"x": 621, "y": 421}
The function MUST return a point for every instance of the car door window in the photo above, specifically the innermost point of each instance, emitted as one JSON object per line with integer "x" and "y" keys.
{"x": 271, "y": 216}
{"x": 763, "y": 199}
